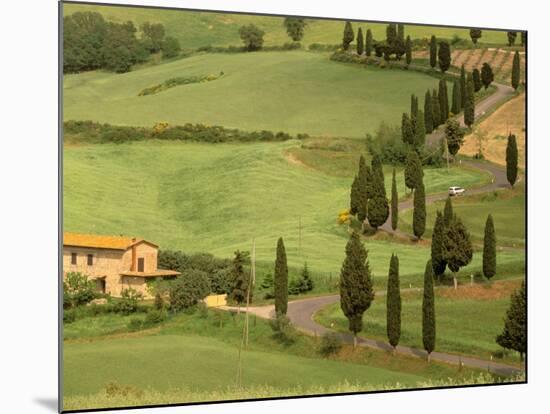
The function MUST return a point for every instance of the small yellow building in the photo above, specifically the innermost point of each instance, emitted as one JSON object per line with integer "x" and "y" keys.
{"x": 114, "y": 262}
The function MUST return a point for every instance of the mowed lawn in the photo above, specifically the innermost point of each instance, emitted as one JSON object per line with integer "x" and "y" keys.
{"x": 195, "y": 29}
{"x": 201, "y": 363}
{"x": 295, "y": 92}
{"x": 217, "y": 197}
{"x": 467, "y": 322}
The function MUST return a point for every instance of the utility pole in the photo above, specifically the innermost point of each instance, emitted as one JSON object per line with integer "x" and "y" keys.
{"x": 446, "y": 152}
{"x": 299, "y": 235}
{"x": 251, "y": 282}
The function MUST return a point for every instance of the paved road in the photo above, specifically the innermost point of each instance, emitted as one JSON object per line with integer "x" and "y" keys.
{"x": 502, "y": 93}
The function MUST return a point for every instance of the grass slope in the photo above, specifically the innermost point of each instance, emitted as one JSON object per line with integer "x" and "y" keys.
{"x": 466, "y": 322}
{"x": 216, "y": 198}
{"x": 195, "y": 29}
{"x": 294, "y": 92}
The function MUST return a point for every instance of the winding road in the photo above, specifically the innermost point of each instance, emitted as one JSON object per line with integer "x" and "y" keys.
{"x": 301, "y": 312}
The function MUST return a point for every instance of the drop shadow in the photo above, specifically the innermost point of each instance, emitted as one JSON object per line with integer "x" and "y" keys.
{"x": 49, "y": 403}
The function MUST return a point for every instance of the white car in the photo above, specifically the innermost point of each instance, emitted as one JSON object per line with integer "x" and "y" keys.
{"x": 454, "y": 191}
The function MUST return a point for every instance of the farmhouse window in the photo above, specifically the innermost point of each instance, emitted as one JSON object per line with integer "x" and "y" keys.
{"x": 73, "y": 258}
{"x": 90, "y": 259}
{"x": 141, "y": 264}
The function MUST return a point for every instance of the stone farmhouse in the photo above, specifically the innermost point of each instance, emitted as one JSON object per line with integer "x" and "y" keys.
{"x": 114, "y": 262}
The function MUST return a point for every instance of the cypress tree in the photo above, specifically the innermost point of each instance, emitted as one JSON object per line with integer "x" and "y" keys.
{"x": 462, "y": 87}
{"x": 512, "y": 38}
{"x": 428, "y": 311}
{"x": 420, "y": 130}
{"x": 394, "y": 203}
{"x": 448, "y": 212}
{"x": 443, "y": 100}
{"x": 369, "y": 180}
{"x": 433, "y": 52}
{"x": 355, "y": 197}
{"x": 444, "y": 56}
{"x": 512, "y": 160}
{"x": 454, "y": 136}
{"x": 477, "y": 80}
{"x": 408, "y": 51}
{"x": 393, "y": 303}
{"x": 378, "y": 176}
{"x": 469, "y": 107}
{"x": 428, "y": 113}
{"x": 378, "y": 208}
{"x": 348, "y": 36}
{"x": 406, "y": 129}
{"x": 419, "y": 212}
{"x": 489, "y": 249}
{"x": 514, "y": 334}
{"x": 368, "y": 43}
{"x": 475, "y": 34}
{"x": 362, "y": 181}
{"x": 515, "y": 71}
{"x": 359, "y": 42}
{"x": 455, "y": 109}
{"x": 457, "y": 247}
{"x": 487, "y": 75}
{"x": 281, "y": 280}
{"x": 524, "y": 38}
{"x": 414, "y": 106}
{"x": 438, "y": 263}
{"x": 436, "y": 110}
{"x": 238, "y": 279}
{"x": 414, "y": 175}
{"x": 401, "y": 31}
{"x": 356, "y": 291}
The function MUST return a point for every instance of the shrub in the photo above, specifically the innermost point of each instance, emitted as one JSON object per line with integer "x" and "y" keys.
{"x": 203, "y": 310}
{"x": 69, "y": 315}
{"x": 128, "y": 302}
{"x": 282, "y": 329}
{"x": 330, "y": 344}
{"x": 135, "y": 324}
{"x": 77, "y": 290}
{"x": 188, "y": 289}
{"x": 154, "y": 317}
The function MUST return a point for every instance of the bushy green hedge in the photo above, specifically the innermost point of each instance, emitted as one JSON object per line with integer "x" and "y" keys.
{"x": 241, "y": 49}
{"x": 93, "y": 132}
{"x": 181, "y": 80}
{"x": 320, "y": 47}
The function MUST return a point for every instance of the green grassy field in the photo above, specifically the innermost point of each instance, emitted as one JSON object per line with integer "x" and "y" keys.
{"x": 195, "y": 29}
{"x": 217, "y": 197}
{"x": 508, "y": 215}
{"x": 295, "y": 92}
{"x": 467, "y": 324}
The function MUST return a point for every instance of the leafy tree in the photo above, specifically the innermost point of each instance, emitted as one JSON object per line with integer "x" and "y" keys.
{"x": 295, "y": 27}
{"x": 306, "y": 280}
{"x": 360, "y": 46}
{"x": 393, "y": 303}
{"x": 419, "y": 212}
{"x": 444, "y": 56}
{"x": 348, "y": 36}
{"x": 475, "y": 35}
{"x": 154, "y": 33}
{"x": 170, "y": 47}
{"x": 414, "y": 174}
{"x": 281, "y": 280}
{"x": 436, "y": 109}
{"x": 477, "y": 80}
{"x": 515, "y": 71}
{"x": 457, "y": 247}
{"x": 238, "y": 279}
{"x": 129, "y": 298}
{"x": 512, "y": 38}
{"x": 420, "y": 130}
{"x": 454, "y": 136}
{"x": 469, "y": 107}
{"x": 512, "y": 160}
{"x": 406, "y": 129}
{"x": 443, "y": 100}
{"x": 433, "y": 51}
{"x": 394, "y": 203}
{"x": 368, "y": 43}
{"x": 408, "y": 50}
{"x": 487, "y": 75}
{"x": 457, "y": 99}
{"x": 428, "y": 311}
{"x": 428, "y": 113}
{"x": 83, "y": 35}
{"x": 448, "y": 212}
{"x": 437, "y": 260}
{"x": 252, "y": 37}
{"x": 462, "y": 87}
{"x": 356, "y": 290}
{"x": 77, "y": 290}
{"x": 188, "y": 289}
{"x": 268, "y": 283}
{"x": 514, "y": 334}
{"x": 119, "y": 47}
{"x": 489, "y": 249}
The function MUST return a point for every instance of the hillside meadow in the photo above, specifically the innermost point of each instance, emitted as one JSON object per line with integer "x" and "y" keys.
{"x": 294, "y": 92}
{"x": 194, "y": 29}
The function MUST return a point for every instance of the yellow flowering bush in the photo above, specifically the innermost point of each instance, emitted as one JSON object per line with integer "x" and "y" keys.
{"x": 344, "y": 216}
